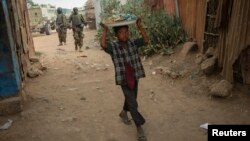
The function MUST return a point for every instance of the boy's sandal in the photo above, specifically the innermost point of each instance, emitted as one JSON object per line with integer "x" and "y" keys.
{"x": 125, "y": 119}
{"x": 141, "y": 136}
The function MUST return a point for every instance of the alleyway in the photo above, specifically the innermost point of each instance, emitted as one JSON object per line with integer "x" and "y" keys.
{"x": 76, "y": 99}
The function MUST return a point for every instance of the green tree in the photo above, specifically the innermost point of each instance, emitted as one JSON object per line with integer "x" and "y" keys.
{"x": 165, "y": 31}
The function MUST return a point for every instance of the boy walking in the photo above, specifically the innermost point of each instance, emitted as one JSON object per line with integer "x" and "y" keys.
{"x": 128, "y": 70}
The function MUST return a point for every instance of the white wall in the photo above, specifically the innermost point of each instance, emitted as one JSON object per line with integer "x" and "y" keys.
{"x": 49, "y": 12}
{"x": 97, "y": 12}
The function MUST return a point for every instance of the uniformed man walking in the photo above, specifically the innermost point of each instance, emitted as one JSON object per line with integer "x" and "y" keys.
{"x": 78, "y": 23}
{"x": 61, "y": 26}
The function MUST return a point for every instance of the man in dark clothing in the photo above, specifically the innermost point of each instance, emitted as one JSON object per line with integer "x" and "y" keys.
{"x": 61, "y": 26}
{"x": 78, "y": 23}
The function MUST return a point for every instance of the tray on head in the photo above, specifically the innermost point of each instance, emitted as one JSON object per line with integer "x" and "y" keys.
{"x": 121, "y": 23}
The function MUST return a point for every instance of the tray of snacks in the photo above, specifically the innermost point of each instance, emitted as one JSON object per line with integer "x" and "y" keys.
{"x": 120, "y": 20}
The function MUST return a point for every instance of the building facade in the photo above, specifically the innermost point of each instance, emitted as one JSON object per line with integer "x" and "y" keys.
{"x": 48, "y": 12}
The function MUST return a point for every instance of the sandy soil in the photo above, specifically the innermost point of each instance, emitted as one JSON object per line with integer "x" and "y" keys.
{"x": 76, "y": 99}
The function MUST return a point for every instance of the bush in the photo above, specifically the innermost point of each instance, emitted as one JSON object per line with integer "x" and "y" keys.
{"x": 164, "y": 31}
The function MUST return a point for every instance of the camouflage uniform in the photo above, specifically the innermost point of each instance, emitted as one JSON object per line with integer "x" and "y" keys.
{"x": 61, "y": 25}
{"x": 78, "y": 23}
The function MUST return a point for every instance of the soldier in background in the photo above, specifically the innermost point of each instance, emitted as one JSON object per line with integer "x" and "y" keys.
{"x": 78, "y": 23}
{"x": 47, "y": 27}
{"x": 61, "y": 26}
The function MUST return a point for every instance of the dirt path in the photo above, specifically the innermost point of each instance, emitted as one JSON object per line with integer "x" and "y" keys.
{"x": 76, "y": 100}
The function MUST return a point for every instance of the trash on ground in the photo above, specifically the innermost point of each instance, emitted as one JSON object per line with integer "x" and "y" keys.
{"x": 7, "y": 125}
{"x": 204, "y": 126}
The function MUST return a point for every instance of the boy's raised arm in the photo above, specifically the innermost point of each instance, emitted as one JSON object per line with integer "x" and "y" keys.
{"x": 104, "y": 35}
{"x": 142, "y": 31}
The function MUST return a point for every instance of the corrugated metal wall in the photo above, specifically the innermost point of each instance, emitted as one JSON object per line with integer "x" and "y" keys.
{"x": 187, "y": 9}
{"x": 234, "y": 34}
{"x": 193, "y": 14}
{"x": 201, "y": 22}
{"x": 170, "y": 7}
{"x": 155, "y": 4}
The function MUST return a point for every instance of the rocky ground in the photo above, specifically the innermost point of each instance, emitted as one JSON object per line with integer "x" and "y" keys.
{"x": 76, "y": 99}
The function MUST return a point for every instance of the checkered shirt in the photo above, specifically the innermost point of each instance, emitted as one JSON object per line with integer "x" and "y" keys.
{"x": 129, "y": 55}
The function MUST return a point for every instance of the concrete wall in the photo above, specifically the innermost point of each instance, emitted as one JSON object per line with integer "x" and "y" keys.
{"x": 97, "y": 12}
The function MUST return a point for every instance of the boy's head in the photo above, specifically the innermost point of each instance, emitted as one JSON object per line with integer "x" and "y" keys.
{"x": 122, "y": 33}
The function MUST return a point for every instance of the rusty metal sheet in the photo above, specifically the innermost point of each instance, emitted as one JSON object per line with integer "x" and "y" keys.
{"x": 170, "y": 7}
{"x": 200, "y": 23}
{"x": 234, "y": 38}
{"x": 192, "y": 15}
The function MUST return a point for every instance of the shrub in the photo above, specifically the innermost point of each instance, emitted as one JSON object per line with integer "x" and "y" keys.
{"x": 164, "y": 31}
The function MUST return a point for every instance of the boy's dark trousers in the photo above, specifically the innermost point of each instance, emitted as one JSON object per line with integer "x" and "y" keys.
{"x": 131, "y": 104}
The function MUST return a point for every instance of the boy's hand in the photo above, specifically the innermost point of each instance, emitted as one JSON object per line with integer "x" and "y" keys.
{"x": 138, "y": 22}
{"x": 103, "y": 26}
{"x": 104, "y": 35}
{"x": 141, "y": 30}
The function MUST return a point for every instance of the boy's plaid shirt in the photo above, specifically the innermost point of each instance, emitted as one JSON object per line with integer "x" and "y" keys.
{"x": 129, "y": 55}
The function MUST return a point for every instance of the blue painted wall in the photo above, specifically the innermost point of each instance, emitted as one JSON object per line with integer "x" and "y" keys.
{"x": 9, "y": 69}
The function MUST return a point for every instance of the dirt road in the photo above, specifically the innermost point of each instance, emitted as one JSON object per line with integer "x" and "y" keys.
{"x": 76, "y": 99}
